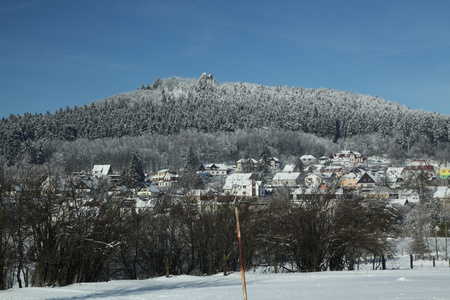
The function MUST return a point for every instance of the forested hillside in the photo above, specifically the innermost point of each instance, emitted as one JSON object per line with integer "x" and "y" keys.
{"x": 226, "y": 111}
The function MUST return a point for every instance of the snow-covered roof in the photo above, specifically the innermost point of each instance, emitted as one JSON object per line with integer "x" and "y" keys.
{"x": 442, "y": 192}
{"x": 286, "y": 176}
{"x": 418, "y": 163}
{"x": 289, "y": 168}
{"x": 101, "y": 169}
{"x": 219, "y": 166}
{"x": 240, "y": 183}
{"x": 394, "y": 170}
{"x": 247, "y": 159}
{"x": 351, "y": 175}
{"x": 239, "y": 176}
{"x": 349, "y": 152}
{"x": 151, "y": 188}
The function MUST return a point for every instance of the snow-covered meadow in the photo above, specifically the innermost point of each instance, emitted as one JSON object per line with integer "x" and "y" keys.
{"x": 398, "y": 282}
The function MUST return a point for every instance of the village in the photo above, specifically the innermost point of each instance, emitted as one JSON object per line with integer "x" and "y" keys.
{"x": 341, "y": 175}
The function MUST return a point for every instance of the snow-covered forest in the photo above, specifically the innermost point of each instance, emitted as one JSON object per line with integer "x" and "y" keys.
{"x": 223, "y": 121}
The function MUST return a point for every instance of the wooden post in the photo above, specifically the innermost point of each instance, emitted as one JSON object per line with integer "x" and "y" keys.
{"x": 445, "y": 227}
{"x": 411, "y": 260}
{"x": 241, "y": 258}
{"x": 26, "y": 276}
{"x": 167, "y": 266}
{"x": 225, "y": 265}
{"x": 276, "y": 263}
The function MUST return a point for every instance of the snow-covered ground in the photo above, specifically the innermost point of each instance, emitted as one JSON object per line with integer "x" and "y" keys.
{"x": 398, "y": 282}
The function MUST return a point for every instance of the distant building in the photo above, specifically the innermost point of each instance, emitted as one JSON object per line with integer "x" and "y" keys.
{"x": 246, "y": 165}
{"x": 349, "y": 180}
{"x": 148, "y": 191}
{"x": 243, "y": 185}
{"x": 444, "y": 171}
{"x": 286, "y": 179}
{"x": 215, "y": 169}
{"x": 419, "y": 166}
{"x": 308, "y": 159}
{"x": 275, "y": 163}
{"x": 102, "y": 170}
{"x": 165, "y": 178}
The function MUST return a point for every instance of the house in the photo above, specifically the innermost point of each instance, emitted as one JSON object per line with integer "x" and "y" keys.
{"x": 215, "y": 169}
{"x": 381, "y": 193}
{"x": 165, "y": 178}
{"x": 338, "y": 170}
{"x": 349, "y": 181}
{"x": 55, "y": 184}
{"x": 314, "y": 168}
{"x": 315, "y": 180}
{"x": 367, "y": 181}
{"x": 243, "y": 185}
{"x": 378, "y": 160}
{"x": 347, "y": 156}
{"x": 288, "y": 168}
{"x": 118, "y": 191}
{"x": 324, "y": 159}
{"x": 307, "y": 159}
{"x": 204, "y": 199}
{"x": 394, "y": 177}
{"x": 168, "y": 180}
{"x": 408, "y": 195}
{"x": 102, "y": 170}
{"x": 286, "y": 179}
{"x": 443, "y": 193}
{"x": 300, "y": 194}
{"x": 246, "y": 165}
{"x": 83, "y": 187}
{"x": 419, "y": 166}
{"x": 148, "y": 191}
{"x": 444, "y": 171}
{"x": 275, "y": 164}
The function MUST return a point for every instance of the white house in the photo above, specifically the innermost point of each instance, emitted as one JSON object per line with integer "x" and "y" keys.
{"x": 275, "y": 164}
{"x": 308, "y": 159}
{"x": 243, "y": 185}
{"x": 286, "y": 179}
{"x": 216, "y": 169}
{"x": 314, "y": 180}
{"x": 394, "y": 177}
{"x": 165, "y": 178}
{"x": 347, "y": 156}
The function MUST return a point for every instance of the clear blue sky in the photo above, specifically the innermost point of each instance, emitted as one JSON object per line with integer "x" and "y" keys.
{"x": 58, "y": 53}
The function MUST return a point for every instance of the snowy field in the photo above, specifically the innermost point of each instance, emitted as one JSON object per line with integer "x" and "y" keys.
{"x": 398, "y": 282}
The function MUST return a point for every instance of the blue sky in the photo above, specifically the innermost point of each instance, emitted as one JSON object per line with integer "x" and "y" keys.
{"x": 59, "y": 53}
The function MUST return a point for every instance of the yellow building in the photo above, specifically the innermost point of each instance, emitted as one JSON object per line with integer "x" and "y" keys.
{"x": 349, "y": 180}
{"x": 444, "y": 172}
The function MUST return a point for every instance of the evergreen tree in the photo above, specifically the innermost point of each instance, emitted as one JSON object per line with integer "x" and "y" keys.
{"x": 136, "y": 174}
{"x": 264, "y": 159}
{"x": 191, "y": 179}
{"x": 192, "y": 163}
